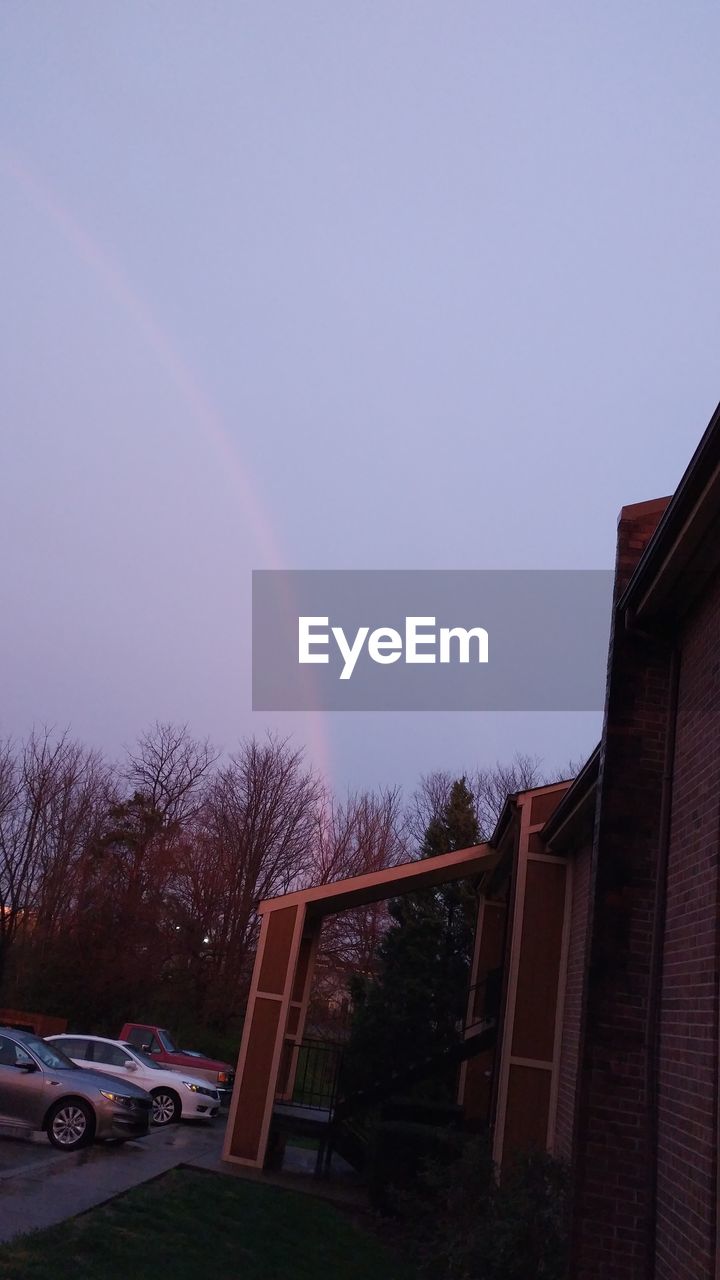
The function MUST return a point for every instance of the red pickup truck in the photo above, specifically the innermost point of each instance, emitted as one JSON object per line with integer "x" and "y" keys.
{"x": 160, "y": 1045}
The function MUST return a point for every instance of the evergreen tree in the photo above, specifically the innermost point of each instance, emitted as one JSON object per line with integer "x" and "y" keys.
{"x": 416, "y": 1003}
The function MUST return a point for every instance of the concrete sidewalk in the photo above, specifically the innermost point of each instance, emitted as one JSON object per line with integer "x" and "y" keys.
{"x": 48, "y": 1186}
{"x": 344, "y": 1187}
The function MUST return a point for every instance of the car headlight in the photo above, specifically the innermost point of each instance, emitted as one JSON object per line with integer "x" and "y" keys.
{"x": 121, "y": 1098}
{"x": 207, "y": 1090}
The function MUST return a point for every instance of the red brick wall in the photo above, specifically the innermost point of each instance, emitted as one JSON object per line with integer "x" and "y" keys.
{"x": 687, "y": 1154}
{"x": 612, "y": 1185}
{"x": 572, "y": 1010}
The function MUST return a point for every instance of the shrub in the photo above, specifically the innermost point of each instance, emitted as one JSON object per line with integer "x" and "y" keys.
{"x": 423, "y": 1111}
{"x": 480, "y": 1229}
{"x": 400, "y": 1150}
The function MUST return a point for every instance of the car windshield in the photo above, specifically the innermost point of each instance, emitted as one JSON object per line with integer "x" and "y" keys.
{"x": 49, "y": 1055}
{"x": 144, "y": 1058}
{"x": 167, "y": 1041}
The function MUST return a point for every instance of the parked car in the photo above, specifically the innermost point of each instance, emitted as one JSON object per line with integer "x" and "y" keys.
{"x": 173, "y": 1094}
{"x": 161, "y": 1046}
{"x": 40, "y": 1088}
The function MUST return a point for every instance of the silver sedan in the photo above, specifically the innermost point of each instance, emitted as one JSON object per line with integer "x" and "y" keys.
{"x": 41, "y": 1089}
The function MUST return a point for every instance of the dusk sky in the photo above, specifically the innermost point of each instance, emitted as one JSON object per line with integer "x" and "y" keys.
{"x": 334, "y": 285}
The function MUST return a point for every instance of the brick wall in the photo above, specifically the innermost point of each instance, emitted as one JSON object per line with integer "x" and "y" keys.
{"x": 572, "y": 1009}
{"x": 687, "y": 1151}
{"x": 612, "y": 1186}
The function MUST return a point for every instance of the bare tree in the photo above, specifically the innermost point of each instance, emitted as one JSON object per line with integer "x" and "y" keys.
{"x": 33, "y": 778}
{"x": 427, "y": 803}
{"x": 139, "y": 886}
{"x": 85, "y": 791}
{"x": 360, "y": 835}
{"x": 490, "y": 787}
{"x": 251, "y": 840}
{"x": 168, "y": 766}
{"x": 16, "y": 856}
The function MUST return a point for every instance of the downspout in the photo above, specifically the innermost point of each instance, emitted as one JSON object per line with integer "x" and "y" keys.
{"x": 657, "y": 948}
{"x": 506, "y": 946}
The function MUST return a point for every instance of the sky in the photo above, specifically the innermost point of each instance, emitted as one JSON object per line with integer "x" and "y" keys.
{"x": 334, "y": 285}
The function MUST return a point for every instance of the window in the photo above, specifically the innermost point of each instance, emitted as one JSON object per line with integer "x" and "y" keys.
{"x": 11, "y": 1053}
{"x": 73, "y": 1048}
{"x": 144, "y": 1058}
{"x": 49, "y": 1055}
{"x": 143, "y": 1038}
{"x": 110, "y": 1055}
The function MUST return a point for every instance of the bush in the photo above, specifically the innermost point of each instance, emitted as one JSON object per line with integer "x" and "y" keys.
{"x": 479, "y": 1229}
{"x": 400, "y": 1150}
{"x": 422, "y": 1111}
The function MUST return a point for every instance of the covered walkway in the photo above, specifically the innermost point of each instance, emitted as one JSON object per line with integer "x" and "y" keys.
{"x": 282, "y": 978}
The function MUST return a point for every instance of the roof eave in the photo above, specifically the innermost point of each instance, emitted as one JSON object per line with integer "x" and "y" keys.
{"x": 691, "y": 513}
{"x": 575, "y": 798}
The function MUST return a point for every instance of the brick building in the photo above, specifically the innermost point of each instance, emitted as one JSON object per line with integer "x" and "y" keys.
{"x": 603, "y": 922}
{"x": 592, "y": 1024}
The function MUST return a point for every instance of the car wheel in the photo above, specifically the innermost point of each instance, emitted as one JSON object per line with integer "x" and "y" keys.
{"x": 71, "y": 1125}
{"x": 166, "y": 1107}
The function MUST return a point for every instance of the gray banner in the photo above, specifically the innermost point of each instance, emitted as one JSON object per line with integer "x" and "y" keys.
{"x": 430, "y": 640}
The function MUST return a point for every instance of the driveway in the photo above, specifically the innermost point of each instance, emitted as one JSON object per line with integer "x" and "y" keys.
{"x": 40, "y": 1186}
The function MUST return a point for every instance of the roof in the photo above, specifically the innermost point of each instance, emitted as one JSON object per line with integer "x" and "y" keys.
{"x": 374, "y": 886}
{"x": 510, "y": 806}
{"x": 683, "y": 550}
{"x": 510, "y": 810}
{"x": 573, "y": 808}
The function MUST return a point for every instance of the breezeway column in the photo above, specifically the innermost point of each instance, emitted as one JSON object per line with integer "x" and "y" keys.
{"x": 297, "y": 1011}
{"x": 277, "y": 976}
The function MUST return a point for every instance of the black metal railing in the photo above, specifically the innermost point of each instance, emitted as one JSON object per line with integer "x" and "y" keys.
{"x": 484, "y": 999}
{"x": 317, "y": 1075}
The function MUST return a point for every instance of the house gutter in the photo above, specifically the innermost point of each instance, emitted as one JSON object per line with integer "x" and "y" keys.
{"x": 690, "y": 492}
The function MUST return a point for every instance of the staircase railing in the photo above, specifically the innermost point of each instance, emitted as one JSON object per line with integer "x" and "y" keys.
{"x": 483, "y": 1005}
{"x": 317, "y": 1086}
{"x": 317, "y": 1075}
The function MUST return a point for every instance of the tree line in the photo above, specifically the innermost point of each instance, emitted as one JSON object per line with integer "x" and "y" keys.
{"x": 128, "y": 891}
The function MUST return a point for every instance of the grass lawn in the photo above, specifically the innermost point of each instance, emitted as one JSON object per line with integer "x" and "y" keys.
{"x": 196, "y": 1226}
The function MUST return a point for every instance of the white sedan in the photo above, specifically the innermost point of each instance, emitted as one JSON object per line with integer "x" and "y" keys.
{"x": 173, "y": 1095}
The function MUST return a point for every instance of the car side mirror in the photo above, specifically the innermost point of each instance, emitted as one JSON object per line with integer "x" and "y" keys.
{"x": 131, "y": 1066}
{"x": 28, "y": 1067}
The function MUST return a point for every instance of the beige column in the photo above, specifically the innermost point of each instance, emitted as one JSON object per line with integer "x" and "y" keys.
{"x": 274, "y": 983}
